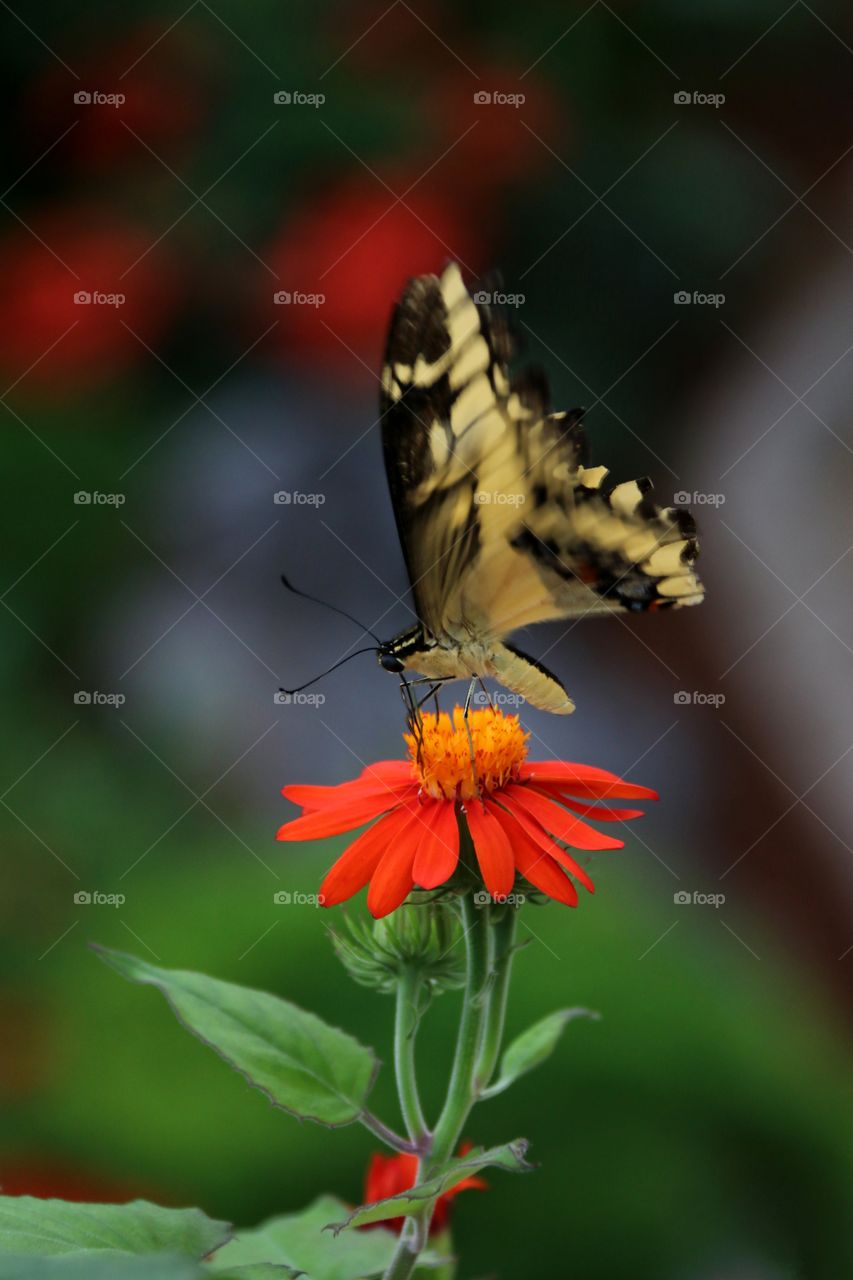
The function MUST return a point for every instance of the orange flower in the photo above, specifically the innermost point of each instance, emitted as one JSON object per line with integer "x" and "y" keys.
{"x": 392, "y": 1175}
{"x": 520, "y": 814}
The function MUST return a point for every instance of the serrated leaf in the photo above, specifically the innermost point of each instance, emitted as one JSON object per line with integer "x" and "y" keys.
{"x": 50, "y": 1227}
{"x": 533, "y": 1047}
{"x": 302, "y": 1064}
{"x": 510, "y": 1156}
{"x": 106, "y": 1264}
{"x": 298, "y": 1240}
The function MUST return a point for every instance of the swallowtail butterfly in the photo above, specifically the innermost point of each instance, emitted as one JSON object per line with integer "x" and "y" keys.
{"x": 502, "y": 520}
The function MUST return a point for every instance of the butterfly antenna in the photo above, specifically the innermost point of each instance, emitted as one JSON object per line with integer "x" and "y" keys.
{"x": 334, "y": 608}
{"x": 323, "y": 674}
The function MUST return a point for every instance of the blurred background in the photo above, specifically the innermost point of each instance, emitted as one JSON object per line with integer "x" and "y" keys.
{"x": 206, "y": 214}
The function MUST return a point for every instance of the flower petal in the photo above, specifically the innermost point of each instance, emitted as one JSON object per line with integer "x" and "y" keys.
{"x": 357, "y": 864}
{"x": 551, "y": 815}
{"x": 535, "y": 864}
{"x": 315, "y": 799}
{"x": 438, "y": 851}
{"x": 602, "y": 812}
{"x": 493, "y": 849}
{"x": 583, "y": 780}
{"x": 392, "y": 882}
{"x": 541, "y": 837}
{"x": 311, "y": 826}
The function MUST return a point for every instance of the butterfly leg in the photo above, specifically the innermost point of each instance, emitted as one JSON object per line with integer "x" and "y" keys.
{"x": 471, "y": 687}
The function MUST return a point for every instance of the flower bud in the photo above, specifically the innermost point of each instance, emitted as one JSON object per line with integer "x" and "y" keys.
{"x": 418, "y": 937}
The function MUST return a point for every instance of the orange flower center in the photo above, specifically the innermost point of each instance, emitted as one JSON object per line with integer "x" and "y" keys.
{"x": 442, "y": 755}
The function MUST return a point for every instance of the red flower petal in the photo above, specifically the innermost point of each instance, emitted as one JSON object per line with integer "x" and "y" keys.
{"x": 603, "y": 812}
{"x": 438, "y": 852}
{"x": 314, "y": 799}
{"x": 541, "y": 838}
{"x": 311, "y": 826}
{"x": 583, "y": 780}
{"x": 357, "y": 864}
{"x": 493, "y": 849}
{"x": 554, "y": 818}
{"x": 535, "y": 864}
{"x": 392, "y": 881}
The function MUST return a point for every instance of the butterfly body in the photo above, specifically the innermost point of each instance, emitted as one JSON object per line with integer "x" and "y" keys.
{"x": 502, "y": 520}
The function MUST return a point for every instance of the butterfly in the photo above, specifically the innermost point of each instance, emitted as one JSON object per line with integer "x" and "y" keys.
{"x": 502, "y": 520}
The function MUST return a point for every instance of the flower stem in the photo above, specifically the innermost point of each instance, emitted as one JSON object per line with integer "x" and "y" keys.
{"x": 503, "y": 939}
{"x": 406, "y": 1021}
{"x": 460, "y": 1093}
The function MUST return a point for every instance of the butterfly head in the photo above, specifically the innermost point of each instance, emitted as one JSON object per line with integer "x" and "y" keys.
{"x": 388, "y": 659}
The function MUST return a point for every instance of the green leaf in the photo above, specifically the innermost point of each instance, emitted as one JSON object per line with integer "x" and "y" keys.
{"x": 511, "y": 1157}
{"x": 50, "y": 1227}
{"x": 303, "y": 1065}
{"x": 532, "y": 1047}
{"x": 103, "y": 1265}
{"x": 298, "y": 1241}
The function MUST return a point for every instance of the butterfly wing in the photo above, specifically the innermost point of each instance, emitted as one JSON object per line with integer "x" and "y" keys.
{"x": 502, "y": 520}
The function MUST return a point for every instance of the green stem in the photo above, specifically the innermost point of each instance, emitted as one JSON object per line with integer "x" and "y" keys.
{"x": 412, "y": 1242}
{"x": 460, "y": 1093}
{"x": 503, "y": 939}
{"x": 405, "y": 1029}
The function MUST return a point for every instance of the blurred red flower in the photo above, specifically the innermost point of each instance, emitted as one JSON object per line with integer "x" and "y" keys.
{"x": 67, "y": 301}
{"x": 392, "y": 1175}
{"x": 160, "y": 89}
{"x": 357, "y": 248}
